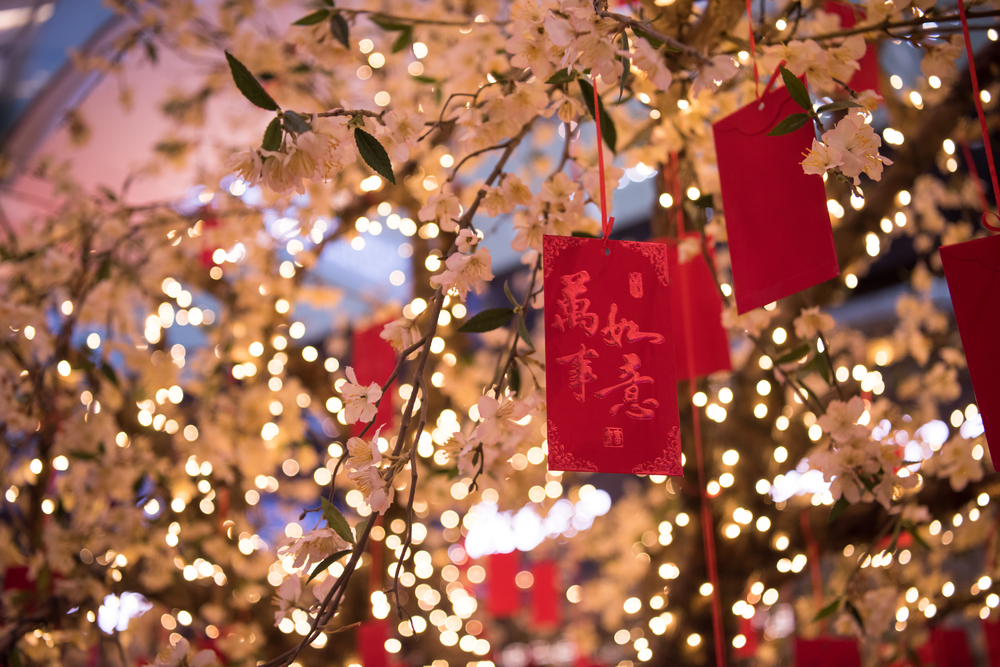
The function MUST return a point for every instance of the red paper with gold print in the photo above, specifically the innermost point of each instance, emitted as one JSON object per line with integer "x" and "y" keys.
{"x": 780, "y": 240}
{"x": 609, "y": 358}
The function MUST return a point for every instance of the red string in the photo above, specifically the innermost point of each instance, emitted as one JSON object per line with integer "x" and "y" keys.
{"x": 707, "y": 528}
{"x": 975, "y": 176}
{"x": 774, "y": 77}
{"x": 606, "y": 223}
{"x": 982, "y": 117}
{"x": 753, "y": 51}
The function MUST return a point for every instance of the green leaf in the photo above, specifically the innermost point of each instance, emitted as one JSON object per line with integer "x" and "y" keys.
{"x": 895, "y": 538}
{"x": 104, "y": 270}
{"x": 317, "y": 16}
{"x": 796, "y": 89}
{"x": 404, "y": 39}
{"x": 327, "y": 562}
{"x": 374, "y": 154}
{"x": 249, "y": 86}
{"x": 488, "y": 320}
{"x": 328, "y": 3}
{"x": 838, "y": 508}
{"x": 510, "y": 295}
{"x": 626, "y": 67}
{"x": 15, "y": 658}
{"x": 837, "y": 106}
{"x": 425, "y": 79}
{"x": 704, "y": 201}
{"x": 855, "y": 613}
{"x": 522, "y": 331}
{"x": 294, "y": 122}
{"x": 272, "y": 136}
{"x": 607, "y": 125}
{"x": 655, "y": 43}
{"x": 584, "y": 235}
{"x": 388, "y": 24}
{"x": 564, "y": 75}
{"x": 823, "y": 366}
{"x": 828, "y": 610}
{"x": 151, "y": 52}
{"x": 515, "y": 378}
{"x": 109, "y": 373}
{"x": 912, "y": 530}
{"x": 336, "y": 520}
{"x": 789, "y": 124}
{"x": 340, "y": 30}
{"x": 796, "y": 354}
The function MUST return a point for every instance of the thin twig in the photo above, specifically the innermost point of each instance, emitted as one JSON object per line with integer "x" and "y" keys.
{"x": 656, "y": 34}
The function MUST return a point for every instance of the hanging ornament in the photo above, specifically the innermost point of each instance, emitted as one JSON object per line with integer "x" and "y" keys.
{"x": 374, "y": 361}
{"x": 866, "y": 76}
{"x": 780, "y": 240}
{"x": 826, "y": 652}
{"x": 973, "y": 273}
{"x": 709, "y": 344}
{"x": 504, "y": 598}
{"x": 545, "y": 595}
{"x": 369, "y": 642}
{"x": 612, "y": 394}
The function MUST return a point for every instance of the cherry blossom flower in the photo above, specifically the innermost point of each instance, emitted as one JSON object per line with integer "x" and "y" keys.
{"x": 858, "y": 146}
{"x": 465, "y": 240}
{"x": 364, "y": 453}
{"x": 510, "y": 193}
{"x": 313, "y": 547}
{"x": 359, "y": 401}
{"x": 811, "y": 322}
{"x": 714, "y": 73}
{"x": 464, "y": 272}
{"x": 821, "y": 158}
{"x": 958, "y": 464}
{"x": 650, "y": 61}
{"x": 498, "y": 417}
{"x": 376, "y": 491}
{"x": 177, "y": 655}
{"x": 401, "y": 333}
{"x": 245, "y": 164}
{"x": 442, "y": 208}
{"x": 400, "y": 133}
{"x": 841, "y": 420}
{"x": 941, "y": 56}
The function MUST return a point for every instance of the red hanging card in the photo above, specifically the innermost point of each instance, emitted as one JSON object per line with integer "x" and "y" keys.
{"x": 973, "y": 272}
{"x": 545, "y": 595}
{"x": 950, "y": 648}
{"x": 369, "y": 641}
{"x": 374, "y": 360}
{"x": 749, "y": 648}
{"x": 710, "y": 345}
{"x": 780, "y": 240}
{"x": 610, "y": 381}
{"x": 865, "y": 78}
{"x": 992, "y": 631}
{"x": 504, "y": 595}
{"x": 827, "y": 652}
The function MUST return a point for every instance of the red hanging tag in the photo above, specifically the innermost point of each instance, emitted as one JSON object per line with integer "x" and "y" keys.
{"x": 369, "y": 640}
{"x": 545, "y": 595}
{"x": 991, "y": 629}
{"x": 612, "y": 394}
{"x": 780, "y": 240}
{"x": 866, "y": 76}
{"x": 973, "y": 273}
{"x": 374, "y": 361}
{"x": 827, "y": 652}
{"x": 710, "y": 346}
{"x": 504, "y": 595}
{"x": 950, "y": 648}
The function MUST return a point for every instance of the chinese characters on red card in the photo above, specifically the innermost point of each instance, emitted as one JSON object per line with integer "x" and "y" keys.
{"x": 609, "y": 368}
{"x": 780, "y": 240}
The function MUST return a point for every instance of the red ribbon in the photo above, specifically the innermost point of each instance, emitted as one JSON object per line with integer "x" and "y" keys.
{"x": 606, "y": 223}
{"x": 982, "y": 118}
{"x": 753, "y": 51}
{"x": 707, "y": 529}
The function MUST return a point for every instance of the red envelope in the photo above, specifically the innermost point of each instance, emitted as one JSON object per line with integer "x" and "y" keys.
{"x": 749, "y": 649}
{"x": 504, "y": 595}
{"x": 827, "y": 652}
{"x": 950, "y": 648}
{"x": 610, "y": 381}
{"x": 780, "y": 240}
{"x": 374, "y": 360}
{"x": 973, "y": 272}
{"x": 992, "y": 631}
{"x": 865, "y": 78}
{"x": 369, "y": 640}
{"x": 544, "y": 595}
{"x": 710, "y": 345}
